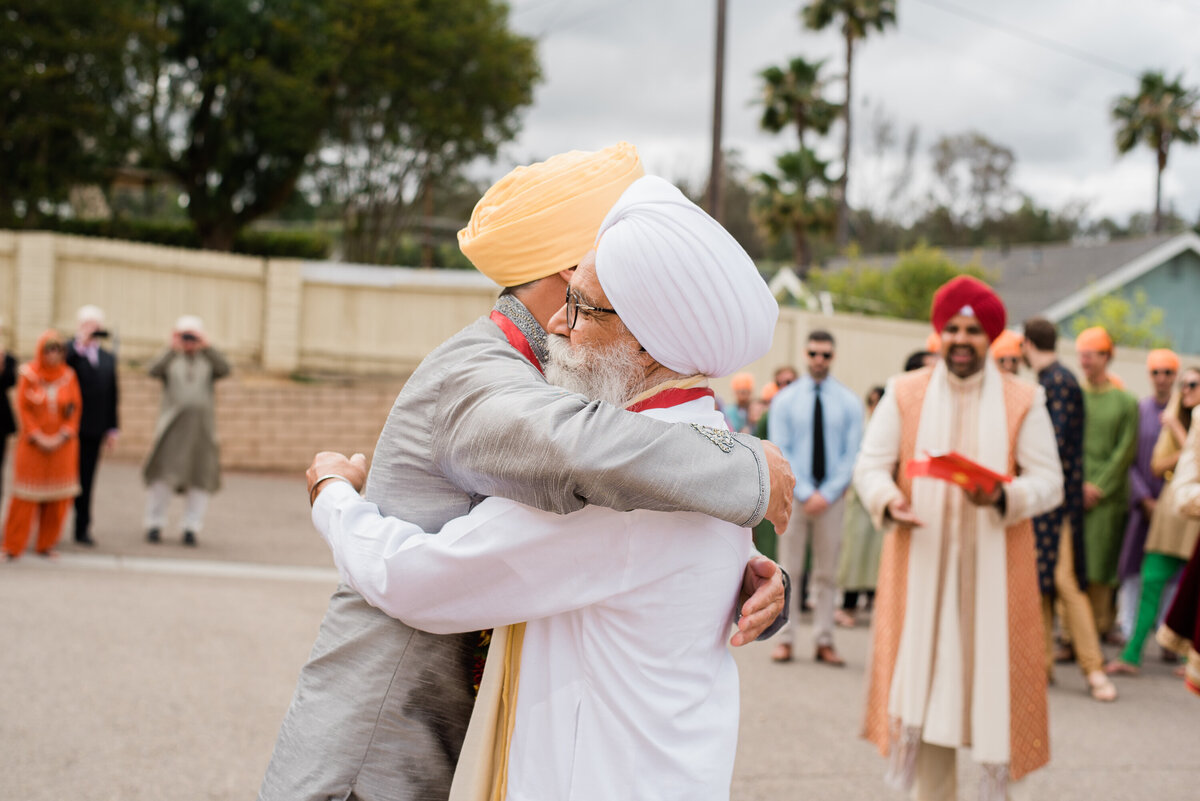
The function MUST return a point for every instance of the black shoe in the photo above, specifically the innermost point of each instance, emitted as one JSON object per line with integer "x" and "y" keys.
{"x": 85, "y": 540}
{"x": 153, "y": 535}
{"x": 189, "y": 538}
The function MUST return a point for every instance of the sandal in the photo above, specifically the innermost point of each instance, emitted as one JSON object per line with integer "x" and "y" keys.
{"x": 1118, "y": 668}
{"x": 1101, "y": 687}
{"x": 782, "y": 653}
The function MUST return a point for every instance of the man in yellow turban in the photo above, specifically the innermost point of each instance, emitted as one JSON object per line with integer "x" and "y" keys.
{"x": 1109, "y": 440}
{"x": 381, "y": 709}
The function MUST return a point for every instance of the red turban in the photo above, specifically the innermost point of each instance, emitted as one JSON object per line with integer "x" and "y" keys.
{"x": 972, "y": 297}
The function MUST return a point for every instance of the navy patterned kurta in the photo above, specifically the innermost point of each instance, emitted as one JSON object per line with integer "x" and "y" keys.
{"x": 1064, "y": 400}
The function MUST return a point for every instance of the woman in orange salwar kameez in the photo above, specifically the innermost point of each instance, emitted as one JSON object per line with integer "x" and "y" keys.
{"x": 46, "y": 462}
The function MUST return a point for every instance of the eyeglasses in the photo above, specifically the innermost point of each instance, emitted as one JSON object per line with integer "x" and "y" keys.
{"x": 574, "y": 304}
{"x": 820, "y": 354}
{"x": 1157, "y": 373}
{"x": 52, "y": 347}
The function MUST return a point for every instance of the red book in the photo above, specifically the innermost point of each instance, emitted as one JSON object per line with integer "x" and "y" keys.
{"x": 957, "y": 469}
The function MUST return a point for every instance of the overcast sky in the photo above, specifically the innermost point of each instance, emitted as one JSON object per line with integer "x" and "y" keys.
{"x": 1038, "y": 76}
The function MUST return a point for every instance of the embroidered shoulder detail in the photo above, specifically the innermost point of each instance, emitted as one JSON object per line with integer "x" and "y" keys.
{"x": 722, "y": 439}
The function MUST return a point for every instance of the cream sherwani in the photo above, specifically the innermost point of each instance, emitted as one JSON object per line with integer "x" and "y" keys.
{"x": 948, "y": 681}
{"x": 626, "y": 687}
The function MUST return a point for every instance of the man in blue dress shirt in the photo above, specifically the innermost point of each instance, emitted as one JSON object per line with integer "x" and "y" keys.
{"x": 817, "y": 422}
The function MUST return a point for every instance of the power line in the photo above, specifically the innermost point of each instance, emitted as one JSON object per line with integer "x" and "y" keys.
{"x": 1046, "y": 42}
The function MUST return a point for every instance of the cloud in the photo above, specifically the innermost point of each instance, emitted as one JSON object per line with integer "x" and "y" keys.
{"x": 642, "y": 71}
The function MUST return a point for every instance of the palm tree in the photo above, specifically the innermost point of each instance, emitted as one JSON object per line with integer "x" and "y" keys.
{"x": 796, "y": 201}
{"x": 1160, "y": 114}
{"x": 792, "y": 96}
{"x": 857, "y": 17}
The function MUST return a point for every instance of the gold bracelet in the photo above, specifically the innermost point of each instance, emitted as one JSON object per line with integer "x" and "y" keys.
{"x": 312, "y": 493}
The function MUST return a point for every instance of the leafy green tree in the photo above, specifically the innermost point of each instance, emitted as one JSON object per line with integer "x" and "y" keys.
{"x": 905, "y": 290}
{"x": 61, "y": 75}
{"x": 432, "y": 86}
{"x": 795, "y": 201}
{"x": 792, "y": 96}
{"x": 1135, "y": 323}
{"x": 238, "y": 100}
{"x": 232, "y": 100}
{"x": 857, "y": 18}
{"x": 1162, "y": 113}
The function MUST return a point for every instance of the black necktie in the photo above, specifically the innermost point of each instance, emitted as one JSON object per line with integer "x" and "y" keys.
{"x": 818, "y": 464}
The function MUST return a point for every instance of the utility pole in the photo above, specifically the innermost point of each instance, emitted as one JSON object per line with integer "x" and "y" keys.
{"x": 717, "y": 172}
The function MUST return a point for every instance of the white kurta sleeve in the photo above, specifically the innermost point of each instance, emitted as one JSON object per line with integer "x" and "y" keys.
{"x": 875, "y": 469}
{"x": 503, "y": 563}
{"x": 1039, "y": 486}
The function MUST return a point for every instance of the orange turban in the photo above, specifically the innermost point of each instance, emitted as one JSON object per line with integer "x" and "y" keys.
{"x": 967, "y": 295}
{"x": 769, "y": 390}
{"x": 1094, "y": 339}
{"x": 1162, "y": 359}
{"x": 742, "y": 381}
{"x": 543, "y": 218}
{"x": 1007, "y": 344}
{"x": 933, "y": 343}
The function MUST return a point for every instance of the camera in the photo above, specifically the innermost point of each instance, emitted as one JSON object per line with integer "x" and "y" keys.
{"x": 189, "y": 337}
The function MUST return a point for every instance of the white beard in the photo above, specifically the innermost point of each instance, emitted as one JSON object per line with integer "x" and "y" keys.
{"x": 612, "y": 374}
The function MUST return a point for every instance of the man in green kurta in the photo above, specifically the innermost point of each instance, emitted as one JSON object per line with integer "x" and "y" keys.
{"x": 185, "y": 457}
{"x": 1109, "y": 439}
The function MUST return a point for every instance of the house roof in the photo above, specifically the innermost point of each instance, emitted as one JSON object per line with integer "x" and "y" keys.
{"x": 1056, "y": 280}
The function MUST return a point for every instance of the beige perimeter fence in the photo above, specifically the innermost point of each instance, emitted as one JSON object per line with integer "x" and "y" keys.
{"x": 321, "y": 349}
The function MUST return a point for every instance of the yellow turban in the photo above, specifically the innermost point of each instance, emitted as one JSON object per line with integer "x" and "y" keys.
{"x": 1162, "y": 359}
{"x": 543, "y": 218}
{"x": 1094, "y": 339}
{"x": 1007, "y": 344}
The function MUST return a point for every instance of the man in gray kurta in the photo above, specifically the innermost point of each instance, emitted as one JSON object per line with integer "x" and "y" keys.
{"x": 381, "y": 709}
{"x": 185, "y": 457}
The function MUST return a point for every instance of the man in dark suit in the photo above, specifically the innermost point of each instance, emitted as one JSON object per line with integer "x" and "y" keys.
{"x": 96, "y": 369}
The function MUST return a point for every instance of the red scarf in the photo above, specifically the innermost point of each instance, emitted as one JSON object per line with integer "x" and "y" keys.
{"x": 516, "y": 338}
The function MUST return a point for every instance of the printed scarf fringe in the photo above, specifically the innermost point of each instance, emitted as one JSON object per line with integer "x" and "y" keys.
{"x": 902, "y": 755}
{"x": 993, "y": 782}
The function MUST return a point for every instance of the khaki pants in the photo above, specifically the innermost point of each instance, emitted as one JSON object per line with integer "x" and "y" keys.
{"x": 825, "y": 534}
{"x": 936, "y": 778}
{"x": 1079, "y": 626}
{"x": 1102, "y": 599}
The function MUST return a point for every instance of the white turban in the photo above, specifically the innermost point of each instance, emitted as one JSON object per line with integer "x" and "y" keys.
{"x": 681, "y": 284}
{"x": 189, "y": 324}
{"x": 90, "y": 314}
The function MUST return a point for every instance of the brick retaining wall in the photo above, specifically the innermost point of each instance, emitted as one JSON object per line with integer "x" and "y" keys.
{"x": 266, "y": 423}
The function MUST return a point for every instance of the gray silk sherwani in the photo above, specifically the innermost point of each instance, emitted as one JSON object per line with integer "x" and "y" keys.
{"x": 380, "y": 710}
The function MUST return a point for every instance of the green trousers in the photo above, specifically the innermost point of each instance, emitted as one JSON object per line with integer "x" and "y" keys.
{"x": 1157, "y": 570}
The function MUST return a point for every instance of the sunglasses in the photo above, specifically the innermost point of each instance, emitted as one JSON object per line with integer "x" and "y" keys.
{"x": 820, "y": 354}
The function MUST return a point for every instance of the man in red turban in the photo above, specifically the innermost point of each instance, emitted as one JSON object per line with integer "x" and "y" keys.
{"x": 958, "y": 654}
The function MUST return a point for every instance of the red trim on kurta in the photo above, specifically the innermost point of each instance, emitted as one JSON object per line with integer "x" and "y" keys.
{"x": 671, "y": 397}
{"x": 516, "y": 338}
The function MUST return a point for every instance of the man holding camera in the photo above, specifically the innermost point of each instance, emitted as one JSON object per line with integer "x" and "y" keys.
{"x": 96, "y": 369}
{"x": 185, "y": 457}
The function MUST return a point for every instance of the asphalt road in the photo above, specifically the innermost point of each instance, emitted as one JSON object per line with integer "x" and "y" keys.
{"x": 157, "y": 672}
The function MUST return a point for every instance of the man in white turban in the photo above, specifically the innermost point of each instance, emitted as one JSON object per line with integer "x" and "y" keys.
{"x": 625, "y": 687}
